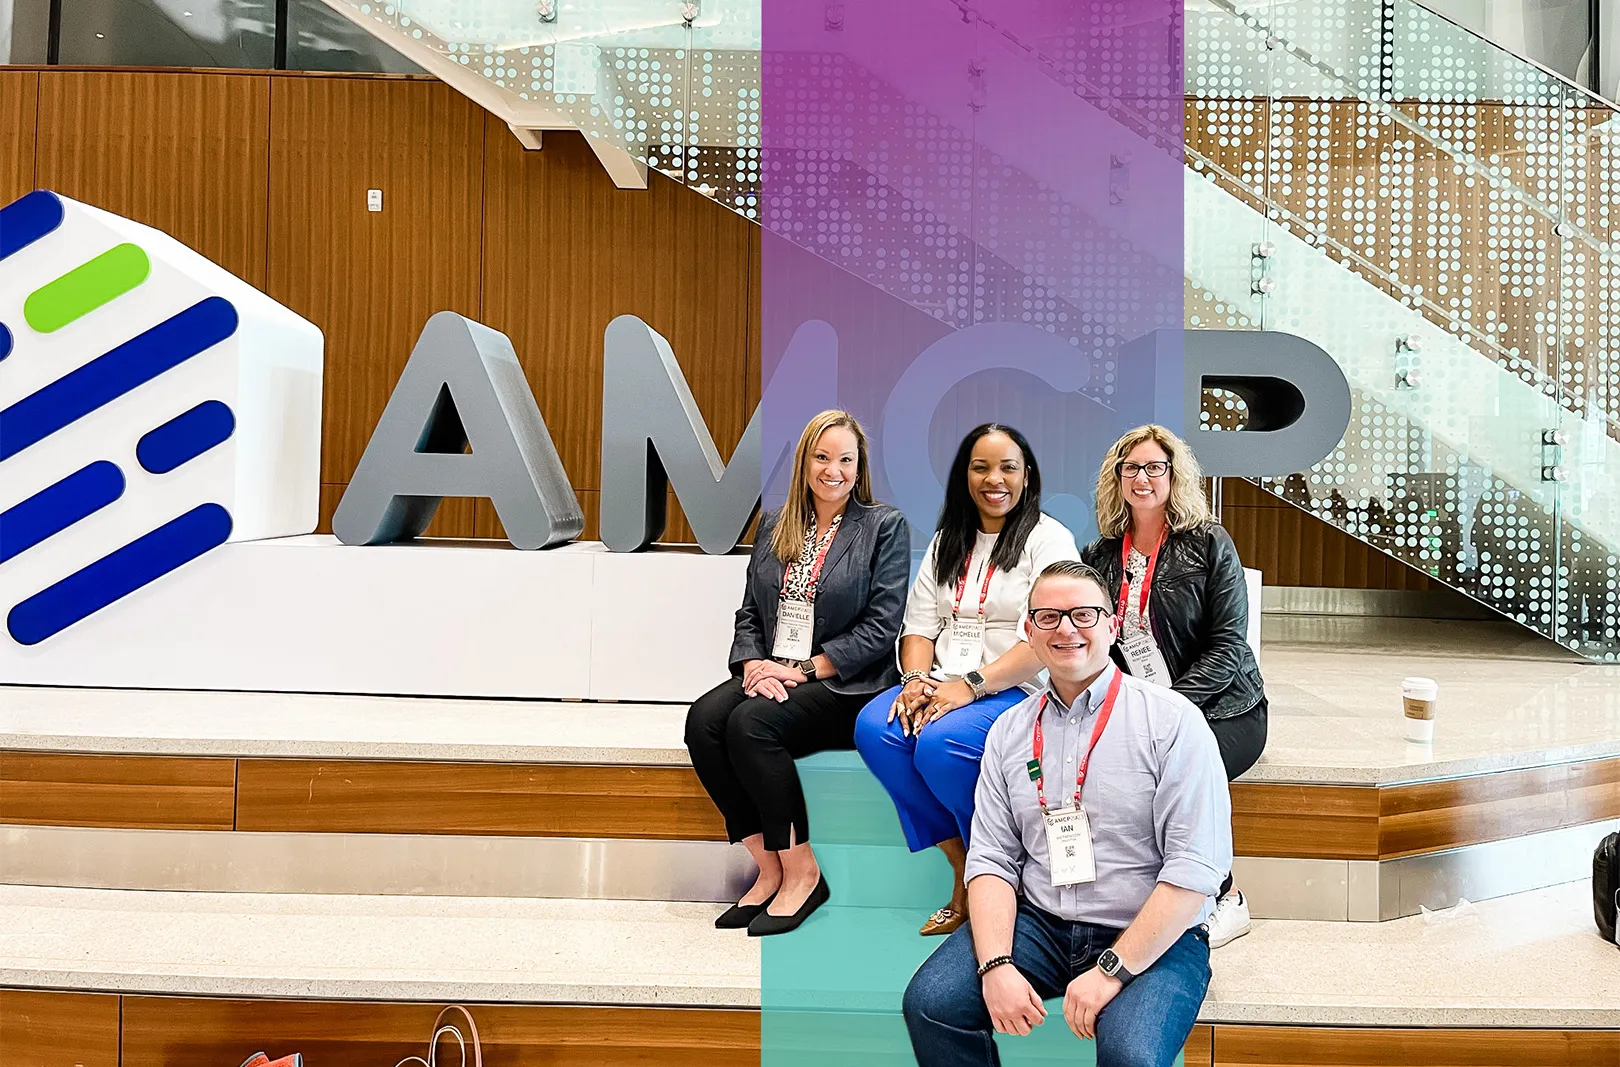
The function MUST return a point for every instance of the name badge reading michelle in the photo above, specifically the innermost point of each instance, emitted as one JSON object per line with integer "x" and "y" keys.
{"x": 795, "y": 625}
{"x": 1146, "y": 661}
{"x": 1068, "y": 847}
{"x": 965, "y": 650}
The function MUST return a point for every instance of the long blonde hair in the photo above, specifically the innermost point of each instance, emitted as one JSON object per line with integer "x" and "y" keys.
{"x": 800, "y": 509}
{"x": 1186, "y": 508}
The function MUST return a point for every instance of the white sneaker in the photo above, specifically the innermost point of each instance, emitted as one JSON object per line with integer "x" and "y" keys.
{"x": 1231, "y": 919}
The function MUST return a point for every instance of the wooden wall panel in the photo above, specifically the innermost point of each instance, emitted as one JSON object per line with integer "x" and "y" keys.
{"x": 371, "y": 280}
{"x": 19, "y": 107}
{"x": 1489, "y": 807}
{"x": 677, "y": 260}
{"x": 58, "y": 1029}
{"x": 1327, "y": 822}
{"x": 1200, "y": 1047}
{"x": 182, "y": 1032}
{"x": 545, "y": 800}
{"x": 127, "y": 792}
{"x": 1291, "y": 547}
{"x": 186, "y": 153}
{"x": 1286, "y": 1046}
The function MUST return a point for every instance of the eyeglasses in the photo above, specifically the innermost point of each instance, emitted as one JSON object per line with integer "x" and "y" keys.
{"x": 1156, "y": 469}
{"x": 1051, "y": 618}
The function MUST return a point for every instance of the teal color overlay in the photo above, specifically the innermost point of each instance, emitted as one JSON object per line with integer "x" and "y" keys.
{"x": 831, "y": 991}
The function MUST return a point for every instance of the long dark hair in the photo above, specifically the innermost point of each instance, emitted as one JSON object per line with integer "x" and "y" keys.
{"x": 959, "y": 518}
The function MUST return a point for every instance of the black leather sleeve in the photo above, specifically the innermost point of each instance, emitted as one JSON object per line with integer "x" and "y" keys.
{"x": 1226, "y": 625}
{"x": 748, "y": 635}
{"x": 877, "y": 629}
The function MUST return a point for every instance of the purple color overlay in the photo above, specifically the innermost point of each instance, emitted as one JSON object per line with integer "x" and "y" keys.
{"x": 972, "y": 212}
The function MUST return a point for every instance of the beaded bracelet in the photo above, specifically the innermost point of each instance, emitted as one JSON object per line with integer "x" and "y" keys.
{"x": 912, "y": 676}
{"x": 991, "y": 964}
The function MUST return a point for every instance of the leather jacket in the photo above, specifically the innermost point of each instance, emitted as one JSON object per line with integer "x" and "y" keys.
{"x": 1199, "y": 610}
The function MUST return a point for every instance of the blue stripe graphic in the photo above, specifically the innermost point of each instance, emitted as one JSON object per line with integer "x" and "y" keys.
{"x": 106, "y": 378}
{"x": 118, "y": 574}
{"x": 185, "y": 437}
{"x": 55, "y": 508}
{"x": 5, "y": 341}
{"x": 24, "y": 221}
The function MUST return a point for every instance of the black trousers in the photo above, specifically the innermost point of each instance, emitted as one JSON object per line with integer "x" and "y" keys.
{"x": 1241, "y": 740}
{"x": 743, "y": 750}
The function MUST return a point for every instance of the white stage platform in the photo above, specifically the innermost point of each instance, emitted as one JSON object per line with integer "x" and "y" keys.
{"x": 431, "y": 618}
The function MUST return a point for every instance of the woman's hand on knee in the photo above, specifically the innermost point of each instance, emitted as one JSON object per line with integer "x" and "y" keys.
{"x": 913, "y": 695}
{"x": 772, "y": 689}
{"x": 947, "y": 698}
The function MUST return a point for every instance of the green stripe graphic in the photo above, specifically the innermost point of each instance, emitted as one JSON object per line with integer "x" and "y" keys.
{"x": 86, "y": 287}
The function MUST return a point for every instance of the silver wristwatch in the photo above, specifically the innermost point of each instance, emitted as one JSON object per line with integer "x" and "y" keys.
{"x": 976, "y": 682}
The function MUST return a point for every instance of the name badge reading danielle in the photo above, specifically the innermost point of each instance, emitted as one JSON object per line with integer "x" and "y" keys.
{"x": 1068, "y": 847}
{"x": 795, "y": 625}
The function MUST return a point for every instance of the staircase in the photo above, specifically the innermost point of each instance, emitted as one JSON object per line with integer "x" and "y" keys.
{"x": 1430, "y": 209}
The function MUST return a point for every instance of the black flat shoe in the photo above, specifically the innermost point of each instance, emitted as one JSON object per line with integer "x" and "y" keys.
{"x": 766, "y": 924}
{"x": 739, "y": 916}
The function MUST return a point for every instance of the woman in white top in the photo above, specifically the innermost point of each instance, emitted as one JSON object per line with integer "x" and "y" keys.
{"x": 962, "y": 652}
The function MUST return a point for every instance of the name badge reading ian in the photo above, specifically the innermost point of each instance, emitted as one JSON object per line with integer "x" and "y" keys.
{"x": 1144, "y": 658}
{"x": 795, "y": 625}
{"x": 1068, "y": 847}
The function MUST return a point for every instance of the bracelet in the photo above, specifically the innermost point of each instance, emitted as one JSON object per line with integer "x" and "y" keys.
{"x": 991, "y": 964}
{"x": 912, "y": 676}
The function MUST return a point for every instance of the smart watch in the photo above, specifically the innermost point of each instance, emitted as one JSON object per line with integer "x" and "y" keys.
{"x": 1110, "y": 964}
{"x": 976, "y": 682}
{"x": 808, "y": 666}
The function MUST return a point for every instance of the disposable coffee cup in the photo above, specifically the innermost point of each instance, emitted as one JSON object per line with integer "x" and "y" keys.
{"x": 1418, "y": 699}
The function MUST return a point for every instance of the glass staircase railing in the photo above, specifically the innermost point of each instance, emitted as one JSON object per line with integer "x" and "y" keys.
{"x": 671, "y": 85}
{"x": 1435, "y": 213}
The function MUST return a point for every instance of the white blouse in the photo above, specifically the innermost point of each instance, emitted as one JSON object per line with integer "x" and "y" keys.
{"x": 928, "y": 608}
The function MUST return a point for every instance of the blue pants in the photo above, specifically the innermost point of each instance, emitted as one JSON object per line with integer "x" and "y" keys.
{"x": 1146, "y": 1025}
{"x": 931, "y": 776}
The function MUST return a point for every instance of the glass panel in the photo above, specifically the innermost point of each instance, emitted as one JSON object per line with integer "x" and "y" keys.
{"x": 1440, "y": 217}
{"x": 632, "y": 75}
{"x": 319, "y": 38}
{"x": 169, "y": 33}
{"x": 25, "y": 27}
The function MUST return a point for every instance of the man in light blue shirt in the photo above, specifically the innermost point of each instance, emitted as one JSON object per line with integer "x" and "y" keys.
{"x": 1112, "y": 923}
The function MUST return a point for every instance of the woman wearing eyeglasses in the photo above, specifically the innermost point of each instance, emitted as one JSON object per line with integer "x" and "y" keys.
{"x": 1183, "y": 604}
{"x": 962, "y": 650}
{"x": 814, "y": 640}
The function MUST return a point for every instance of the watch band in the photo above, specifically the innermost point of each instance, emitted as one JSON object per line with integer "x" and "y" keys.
{"x": 976, "y": 682}
{"x": 1110, "y": 964}
{"x": 992, "y": 963}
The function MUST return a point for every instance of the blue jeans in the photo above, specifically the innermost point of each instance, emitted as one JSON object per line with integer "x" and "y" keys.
{"x": 931, "y": 776}
{"x": 1145, "y": 1026}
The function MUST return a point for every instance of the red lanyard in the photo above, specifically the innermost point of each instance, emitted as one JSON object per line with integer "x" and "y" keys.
{"x": 1085, "y": 761}
{"x": 961, "y": 587}
{"x": 1147, "y": 579}
{"x": 815, "y": 570}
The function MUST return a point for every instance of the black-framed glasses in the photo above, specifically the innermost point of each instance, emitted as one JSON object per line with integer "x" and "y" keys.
{"x": 1156, "y": 469}
{"x": 1051, "y": 618}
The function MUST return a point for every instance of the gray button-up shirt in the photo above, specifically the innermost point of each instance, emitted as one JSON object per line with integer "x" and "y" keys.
{"x": 1155, "y": 794}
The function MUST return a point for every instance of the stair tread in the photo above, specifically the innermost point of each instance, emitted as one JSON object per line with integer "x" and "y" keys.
{"x": 332, "y": 726}
{"x": 1528, "y": 960}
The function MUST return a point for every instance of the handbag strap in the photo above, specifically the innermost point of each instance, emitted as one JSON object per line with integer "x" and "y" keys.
{"x": 440, "y": 1029}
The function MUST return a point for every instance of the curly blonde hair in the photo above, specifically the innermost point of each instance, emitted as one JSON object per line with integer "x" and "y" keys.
{"x": 1187, "y": 507}
{"x": 800, "y": 510}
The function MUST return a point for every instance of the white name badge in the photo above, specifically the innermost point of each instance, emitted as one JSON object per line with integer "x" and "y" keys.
{"x": 1145, "y": 660}
{"x": 965, "y": 650}
{"x": 1068, "y": 847}
{"x": 795, "y": 625}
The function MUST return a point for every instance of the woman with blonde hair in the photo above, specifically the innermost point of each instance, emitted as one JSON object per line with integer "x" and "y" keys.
{"x": 814, "y": 639}
{"x": 1183, "y": 604}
